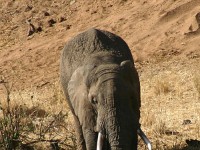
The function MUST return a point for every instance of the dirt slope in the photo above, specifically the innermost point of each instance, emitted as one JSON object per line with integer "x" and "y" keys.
{"x": 154, "y": 30}
{"x": 164, "y": 38}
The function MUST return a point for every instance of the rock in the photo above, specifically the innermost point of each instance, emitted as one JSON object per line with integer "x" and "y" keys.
{"x": 39, "y": 29}
{"x": 195, "y": 25}
{"x": 31, "y": 28}
{"x": 2, "y": 81}
{"x": 169, "y": 132}
{"x": 51, "y": 22}
{"x": 46, "y": 13}
{"x": 72, "y": 2}
{"x": 198, "y": 18}
{"x": 61, "y": 19}
{"x": 54, "y": 145}
{"x": 68, "y": 27}
{"x": 186, "y": 122}
{"x": 28, "y": 8}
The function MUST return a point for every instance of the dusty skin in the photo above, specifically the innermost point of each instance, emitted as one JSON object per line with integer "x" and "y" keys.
{"x": 163, "y": 37}
{"x": 102, "y": 87}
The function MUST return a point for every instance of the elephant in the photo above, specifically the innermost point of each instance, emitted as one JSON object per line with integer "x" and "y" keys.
{"x": 102, "y": 89}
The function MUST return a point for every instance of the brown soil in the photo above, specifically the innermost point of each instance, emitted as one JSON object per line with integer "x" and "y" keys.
{"x": 163, "y": 36}
{"x": 153, "y": 30}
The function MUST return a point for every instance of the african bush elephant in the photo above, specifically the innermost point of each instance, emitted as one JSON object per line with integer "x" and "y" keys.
{"x": 102, "y": 88}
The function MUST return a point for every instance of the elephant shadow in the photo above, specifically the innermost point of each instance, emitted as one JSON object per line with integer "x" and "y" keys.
{"x": 191, "y": 145}
{"x": 187, "y": 148}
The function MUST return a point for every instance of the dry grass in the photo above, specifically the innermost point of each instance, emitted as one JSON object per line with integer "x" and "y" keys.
{"x": 170, "y": 105}
{"x": 196, "y": 81}
{"x": 27, "y": 123}
{"x": 169, "y": 115}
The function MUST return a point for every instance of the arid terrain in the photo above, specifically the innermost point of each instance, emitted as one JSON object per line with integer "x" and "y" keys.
{"x": 164, "y": 37}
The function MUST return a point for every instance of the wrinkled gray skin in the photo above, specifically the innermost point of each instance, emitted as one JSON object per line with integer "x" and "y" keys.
{"x": 102, "y": 88}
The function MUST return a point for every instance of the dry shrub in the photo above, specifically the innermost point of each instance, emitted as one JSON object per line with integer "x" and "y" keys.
{"x": 196, "y": 81}
{"x": 23, "y": 127}
{"x": 149, "y": 119}
{"x": 169, "y": 96}
{"x": 160, "y": 128}
{"x": 161, "y": 87}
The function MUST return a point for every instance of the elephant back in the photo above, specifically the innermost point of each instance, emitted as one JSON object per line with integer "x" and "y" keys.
{"x": 81, "y": 47}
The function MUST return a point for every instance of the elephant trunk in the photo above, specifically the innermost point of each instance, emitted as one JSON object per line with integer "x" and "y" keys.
{"x": 113, "y": 130}
{"x": 116, "y": 118}
{"x": 112, "y": 120}
{"x": 119, "y": 127}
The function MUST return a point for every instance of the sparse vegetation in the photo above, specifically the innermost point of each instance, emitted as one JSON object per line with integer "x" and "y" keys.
{"x": 164, "y": 48}
{"x": 170, "y": 117}
{"x": 197, "y": 83}
{"x": 41, "y": 119}
{"x": 33, "y": 128}
{"x": 162, "y": 87}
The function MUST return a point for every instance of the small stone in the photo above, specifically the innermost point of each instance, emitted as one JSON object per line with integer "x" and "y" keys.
{"x": 54, "y": 145}
{"x": 61, "y": 19}
{"x": 72, "y": 2}
{"x": 39, "y": 29}
{"x": 46, "y": 13}
{"x": 51, "y": 22}
{"x": 28, "y": 8}
{"x": 198, "y": 18}
{"x": 169, "y": 132}
{"x": 186, "y": 122}
{"x": 68, "y": 27}
{"x": 31, "y": 29}
{"x": 93, "y": 12}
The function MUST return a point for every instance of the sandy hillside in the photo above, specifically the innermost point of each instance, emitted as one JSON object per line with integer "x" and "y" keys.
{"x": 164, "y": 36}
{"x": 154, "y": 30}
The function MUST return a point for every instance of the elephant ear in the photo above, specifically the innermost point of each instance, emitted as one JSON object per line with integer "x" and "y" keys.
{"x": 78, "y": 91}
{"x": 130, "y": 73}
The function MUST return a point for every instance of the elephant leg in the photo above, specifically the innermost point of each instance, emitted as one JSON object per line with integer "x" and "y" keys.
{"x": 90, "y": 139}
{"x": 79, "y": 135}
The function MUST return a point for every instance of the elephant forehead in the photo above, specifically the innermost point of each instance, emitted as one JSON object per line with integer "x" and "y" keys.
{"x": 104, "y": 74}
{"x": 114, "y": 78}
{"x": 109, "y": 74}
{"x": 107, "y": 68}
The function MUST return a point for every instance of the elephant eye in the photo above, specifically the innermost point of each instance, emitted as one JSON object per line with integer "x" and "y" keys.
{"x": 94, "y": 100}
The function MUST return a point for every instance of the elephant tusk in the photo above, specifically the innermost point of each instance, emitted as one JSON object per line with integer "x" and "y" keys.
{"x": 100, "y": 141}
{"x": 144, "y": 138}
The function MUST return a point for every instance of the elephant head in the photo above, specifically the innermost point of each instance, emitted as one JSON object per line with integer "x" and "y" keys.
{"x": 106, "y": 100}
